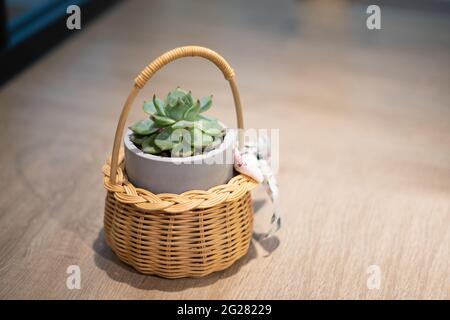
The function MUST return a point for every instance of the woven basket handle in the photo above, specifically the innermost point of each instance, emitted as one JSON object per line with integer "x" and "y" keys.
{"x": 151, "y": 69}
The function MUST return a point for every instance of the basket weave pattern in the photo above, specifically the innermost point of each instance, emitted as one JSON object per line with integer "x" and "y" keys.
{"x": 177, "y": 235}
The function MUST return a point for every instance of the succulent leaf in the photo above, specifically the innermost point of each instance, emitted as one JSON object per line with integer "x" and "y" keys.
{"x": 199, "y": 138}
{"x": 210, "y": 127}
{"x": 178, "y": 92}
{"x": 172, "y": 102}
{"x": 183, "y": 124}
{"x": 148, "y": 145}
{"x": 181, "y": 135}
{"x": 174, "y": 95}
{"x": 192, "y": 113}
{"x": 190, "y": 99}
{"x": 205, "y": 103}
{"x": 176, "y": 112}
{"x": 215, "y": 143}
{"x": 137, "y": 139}
{"x": 149, "y": 107}
{"x": 164, "y": 139}
{"x": 206, "y": 140}
{"x": 182, "y": 150}
{"x": 144, "y": 127}
{"x": 159, "y": 105}
{"x": 162, "y": 121}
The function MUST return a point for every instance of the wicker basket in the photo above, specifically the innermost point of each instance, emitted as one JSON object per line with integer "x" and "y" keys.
{"x": 177, "y": 235}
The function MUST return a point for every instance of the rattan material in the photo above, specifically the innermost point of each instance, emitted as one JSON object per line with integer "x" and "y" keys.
{"x": 177, "y": 235}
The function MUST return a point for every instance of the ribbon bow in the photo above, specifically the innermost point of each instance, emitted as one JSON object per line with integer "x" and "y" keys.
{"x": 253, "y": 163}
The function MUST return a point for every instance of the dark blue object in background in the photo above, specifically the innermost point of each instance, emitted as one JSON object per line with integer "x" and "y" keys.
{"x": 30, "y": 28}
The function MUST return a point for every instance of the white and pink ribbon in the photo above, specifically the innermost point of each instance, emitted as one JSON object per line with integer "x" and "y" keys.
{"x": 255, "y": 164}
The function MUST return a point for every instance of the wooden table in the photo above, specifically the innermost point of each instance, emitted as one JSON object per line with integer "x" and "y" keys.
{"x": 364, "y": 119}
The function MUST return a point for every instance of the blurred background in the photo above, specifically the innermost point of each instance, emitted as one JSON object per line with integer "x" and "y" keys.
{"x": 364, "y": 119}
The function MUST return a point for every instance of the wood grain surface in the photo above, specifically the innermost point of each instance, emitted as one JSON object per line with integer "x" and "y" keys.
{"x": 364, "y": 119}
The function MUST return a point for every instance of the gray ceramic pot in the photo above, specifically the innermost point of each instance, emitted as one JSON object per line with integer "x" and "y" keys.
{"x": 177, "y": 175}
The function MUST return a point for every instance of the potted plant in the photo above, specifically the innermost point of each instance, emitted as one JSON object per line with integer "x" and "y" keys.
{"x": 177, "y": 147}
{"x": 171, "y": 208}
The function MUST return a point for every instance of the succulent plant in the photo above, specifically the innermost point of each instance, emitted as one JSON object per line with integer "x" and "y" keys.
{"x": 176, "y": 126}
